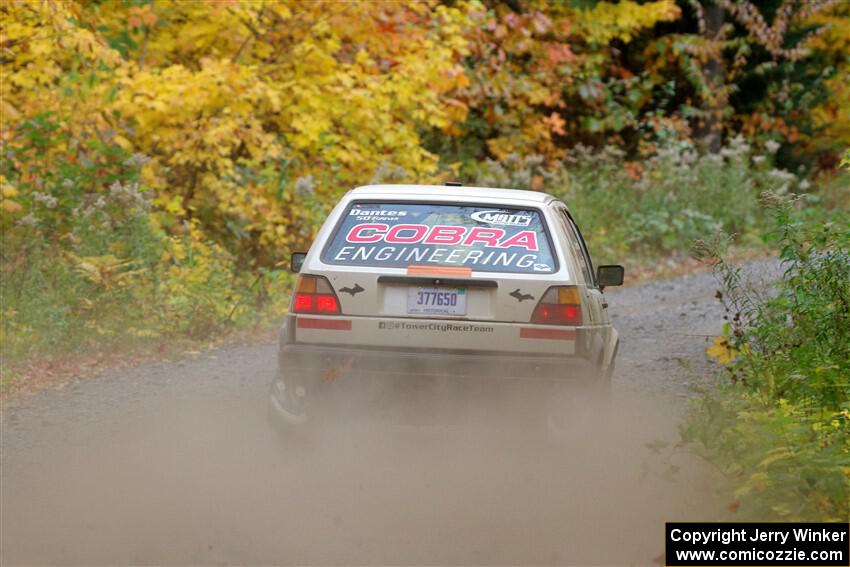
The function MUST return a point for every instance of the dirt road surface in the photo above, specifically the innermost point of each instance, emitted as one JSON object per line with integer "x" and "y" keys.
{"x": 175, "y": 463}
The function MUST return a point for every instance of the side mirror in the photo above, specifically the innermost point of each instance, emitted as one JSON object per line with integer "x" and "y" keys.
{"x": 297, "y": 261}
{"x": 609, "y": 275}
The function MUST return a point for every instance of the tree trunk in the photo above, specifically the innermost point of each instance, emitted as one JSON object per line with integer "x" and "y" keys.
{"x": 710, "y": 129}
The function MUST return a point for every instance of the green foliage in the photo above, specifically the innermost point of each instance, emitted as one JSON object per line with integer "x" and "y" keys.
{"x": 786, "y": 461}
{"x": 633, "y": 211}
{"x": 781, "y": 428}
{"x": 89, "y": 265}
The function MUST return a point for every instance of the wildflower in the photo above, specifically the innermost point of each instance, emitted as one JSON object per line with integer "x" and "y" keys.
{"x": 737, "y": 147}
{"x": 68, "y": 184}
{"x": 771, "y": 199}
{"x": 781, "y": 175}
{"x": 304, "y": 186}
{"x": 45, "y": 199}
{"x": 387, "y": 173}
{"x": 512, "y": 160}
{"x": 534, "y": 160}
{"x": 522, "y": 178}
{"x": 758, "y": 160}
{"x": 136, "y": 160}
{"x": 771, "y": 146}
{"x": 29, "y": 220}
{"x": 688, "y": 157}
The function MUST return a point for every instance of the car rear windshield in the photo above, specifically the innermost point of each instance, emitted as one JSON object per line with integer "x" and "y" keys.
{"x": 483, "y": 238}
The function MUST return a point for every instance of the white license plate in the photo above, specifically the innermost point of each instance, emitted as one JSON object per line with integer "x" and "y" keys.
{"x": 436, "y": 301}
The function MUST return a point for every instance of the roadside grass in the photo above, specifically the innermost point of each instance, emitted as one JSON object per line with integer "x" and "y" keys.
{"x": 63, "y": 304}
{"x": 778, "y": 426}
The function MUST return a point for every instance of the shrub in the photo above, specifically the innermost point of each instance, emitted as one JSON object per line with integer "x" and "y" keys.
{"x": 780, "y": 427}
{"x": 641, "y": 210}
{"x": 87, "y": 262}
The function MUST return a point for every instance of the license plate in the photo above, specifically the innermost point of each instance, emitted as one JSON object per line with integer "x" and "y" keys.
{"x": 436, "y": 301}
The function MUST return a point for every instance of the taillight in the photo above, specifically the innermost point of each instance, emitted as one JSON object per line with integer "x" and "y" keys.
{"x": 559, "y": 306}
{"x": 313, "y": 294}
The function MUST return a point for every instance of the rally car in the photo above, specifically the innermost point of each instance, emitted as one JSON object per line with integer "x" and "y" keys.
{"x": 413, "y": 281}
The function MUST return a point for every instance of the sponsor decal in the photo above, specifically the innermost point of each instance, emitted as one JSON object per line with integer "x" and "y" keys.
{"x": 400, "y": 235}
{"x": 441, "y": 234}
{"x": 519, "y": 296}
{"x": 441, "y": 327}
{"x": 376, "y": 215}
{"x": 426, "y": 255}
{"x": 503, "y": 218}
{"x": 352, "y": 290}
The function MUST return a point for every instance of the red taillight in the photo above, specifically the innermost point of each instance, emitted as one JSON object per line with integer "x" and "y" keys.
{"x": 303, "y": 303}
{"x": 326, "y": 304}
{"x": 313, "y": 294}
{"x": 558, "y": 306}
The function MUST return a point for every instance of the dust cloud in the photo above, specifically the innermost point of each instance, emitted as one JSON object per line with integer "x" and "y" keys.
{"x": 426, "y": 472}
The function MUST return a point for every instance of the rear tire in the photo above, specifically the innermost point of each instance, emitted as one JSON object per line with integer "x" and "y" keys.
{"x": 287, "y": 412}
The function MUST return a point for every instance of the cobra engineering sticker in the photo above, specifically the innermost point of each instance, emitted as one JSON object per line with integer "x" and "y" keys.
{"x": 401, "y": 234}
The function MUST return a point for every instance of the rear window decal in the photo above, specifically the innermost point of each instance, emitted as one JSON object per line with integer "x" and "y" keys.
{"x": 375, "y": 214}
{"x": 441, "y": 234}
{"x": 480, "y": 238}
{"x": 499, "y": 217}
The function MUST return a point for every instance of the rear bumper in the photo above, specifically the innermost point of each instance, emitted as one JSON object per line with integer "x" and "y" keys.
{"x": 326, "y": 374}
{"x": 308, "y": 360}
{"x": 332, "y": 362}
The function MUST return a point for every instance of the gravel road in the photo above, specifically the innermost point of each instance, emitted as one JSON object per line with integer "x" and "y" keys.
{"x": 174, "y": 463}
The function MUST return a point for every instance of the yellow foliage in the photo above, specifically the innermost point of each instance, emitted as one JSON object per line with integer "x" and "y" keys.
{"x": 43, "y": 50}
{"x": 623, "y": 20}
{"x": 722, "y": 351}
{"x": 327, "y": 90}
{"x": 236, "y": 101}
{"x": 833, "y": 115}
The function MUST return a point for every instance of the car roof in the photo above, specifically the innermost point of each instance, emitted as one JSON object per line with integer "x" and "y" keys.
{"x": 451, "y": 193}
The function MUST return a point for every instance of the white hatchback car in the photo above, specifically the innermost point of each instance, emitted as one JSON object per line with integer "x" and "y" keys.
{"x": 418, "y": 280}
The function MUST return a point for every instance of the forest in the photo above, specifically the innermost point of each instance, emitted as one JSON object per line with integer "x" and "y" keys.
{"x": 161, "y": 159}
